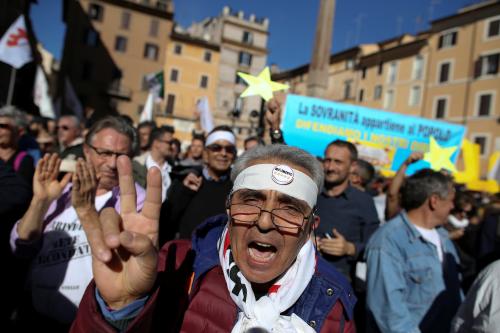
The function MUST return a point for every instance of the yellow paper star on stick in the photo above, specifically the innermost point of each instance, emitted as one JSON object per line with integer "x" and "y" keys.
{"x": 261, "y": 85}
{"x": 439, "y": 157}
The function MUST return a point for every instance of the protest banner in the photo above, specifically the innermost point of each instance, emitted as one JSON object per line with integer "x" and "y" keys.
{"x": 383, "y": 138}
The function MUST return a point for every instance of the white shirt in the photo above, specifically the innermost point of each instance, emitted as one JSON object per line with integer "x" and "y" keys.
{"x": 165, "y": 175}
{"x": 432, "y": 236}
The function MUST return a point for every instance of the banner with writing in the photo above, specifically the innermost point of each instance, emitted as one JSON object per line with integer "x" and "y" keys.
{"x": 383, "y": 138}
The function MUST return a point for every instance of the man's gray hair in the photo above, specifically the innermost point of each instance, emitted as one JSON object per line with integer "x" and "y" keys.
{"x": 278, "y": 153}
{"x": 116, "y": 123}
{"x": 75, "y": 119}
{"x": 421, "y": 185}
{"x": 18, "y": 116}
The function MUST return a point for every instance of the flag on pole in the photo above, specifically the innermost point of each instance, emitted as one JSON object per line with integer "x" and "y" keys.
{"x": 156, "y": 85}
{"x": 206, "y": 119}
{"x": 147, "y": 111}
{"x": 14, "y": 46}
{"x": 41, "y": 96}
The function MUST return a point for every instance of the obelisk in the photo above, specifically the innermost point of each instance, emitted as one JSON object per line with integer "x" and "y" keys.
{"x": 317, "y": 81}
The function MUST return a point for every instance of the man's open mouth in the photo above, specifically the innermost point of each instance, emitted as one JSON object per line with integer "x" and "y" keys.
{"x": 261, "y": 252}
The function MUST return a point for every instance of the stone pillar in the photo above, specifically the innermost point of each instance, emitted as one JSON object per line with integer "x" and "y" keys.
{"x": 317, "y": 81}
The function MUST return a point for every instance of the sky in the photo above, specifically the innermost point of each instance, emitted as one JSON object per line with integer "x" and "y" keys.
{"x": 292, "y": 22}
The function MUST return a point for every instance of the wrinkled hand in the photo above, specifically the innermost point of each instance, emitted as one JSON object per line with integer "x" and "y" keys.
{"x": 125, "y": 246}
{"x": 273, "y": 114}
{"x": 336, "y": 246}
{"x": 84, "y": 187}
{"x": 46, "y": 187}
{"x": 192, "y": 181}
{"x": 414, "y": 157}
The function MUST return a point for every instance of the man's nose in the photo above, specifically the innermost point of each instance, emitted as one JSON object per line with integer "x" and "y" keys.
{"x": 111, "y": 161}
{"x": 265, "y": 221}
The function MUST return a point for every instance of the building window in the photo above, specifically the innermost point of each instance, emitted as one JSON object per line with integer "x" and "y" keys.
{"x": 125, "y": 22}
{"x": 169, "y": 109}
{"x": 482, "y": 141}
{"x": 91, "y": 37}
{"x": 245, "y": 59}
{"x": 440, "y": 112}
{"x": 418, "y": 68}
{"x": 121, "y": 44}
{"x": 448, "y": 39}
{"x": 380, "y": 68}
{"x": 363, "y": 73}
{"x": 247, "y": 37}
{"x": 140, "y": 107}
{"x": 393, "y": 71}
{"x": 178, "y": 49}
{"x": 347, "y": 89}
{"x": 239, "y": 80}
{"x": 87, "y": 70}
{"x": 361, "y": 95}
{"x": 174, "y": 75}
{"x": 207, "y": 56}
{"x": 484, "y": 105}
{"x": 487, "y": 65}
{"x": 415, "y": 94}
{"x": 96, "y": 12}
{"x": 377, "y": 94}
{"x": 204, "y": 81}
{"x": 389, "y": 99}
{"x": 153, "y": 28}
{"x": 349, "y": 64}
{"x": 444, "y": 72}
{"x": 494, "y": 28}
{"x": 151, "y": 51}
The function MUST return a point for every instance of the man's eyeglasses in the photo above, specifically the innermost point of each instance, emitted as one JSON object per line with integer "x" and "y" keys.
{"x": 168, "y": 142}
{"x": 217, "y": 148}
{"x": 62, "y": 127}
{"x": 286, "y": 220}
{"x": 5, "y": 126}
{"x": 104, "y": 153}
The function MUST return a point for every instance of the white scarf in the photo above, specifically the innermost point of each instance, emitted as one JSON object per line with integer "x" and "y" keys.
{"x": 266, "y": 312}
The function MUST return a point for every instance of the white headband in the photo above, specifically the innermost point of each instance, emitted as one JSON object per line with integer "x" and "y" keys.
{"x": 220, "y": 135}
{"x": 281, "y": 178}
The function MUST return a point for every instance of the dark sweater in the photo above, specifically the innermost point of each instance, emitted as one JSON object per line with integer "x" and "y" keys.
{"x": 185, "y": 209}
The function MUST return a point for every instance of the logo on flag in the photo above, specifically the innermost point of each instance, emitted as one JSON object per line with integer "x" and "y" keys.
{"x": 14, "y": 45}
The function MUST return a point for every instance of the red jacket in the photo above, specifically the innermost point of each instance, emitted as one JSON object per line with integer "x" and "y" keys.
{"x": 206, "y": 306}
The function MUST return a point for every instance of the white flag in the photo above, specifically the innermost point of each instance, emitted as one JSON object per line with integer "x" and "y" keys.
{"x": 14, "y": 46}
{"x": 206, "y": 119}
{"x": 41, "y": 96}
{"x": 147, "y": 112}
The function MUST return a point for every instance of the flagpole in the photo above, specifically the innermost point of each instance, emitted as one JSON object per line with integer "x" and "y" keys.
{"x": 11, "y": 85}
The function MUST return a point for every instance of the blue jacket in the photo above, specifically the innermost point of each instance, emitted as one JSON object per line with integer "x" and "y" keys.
{"x": 409, "y": 289}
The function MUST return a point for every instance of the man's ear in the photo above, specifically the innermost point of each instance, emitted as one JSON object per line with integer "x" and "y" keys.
{"x": 315, "y": 222}
{"x": 433, "y": 201}
{"x": 353, "y": 167}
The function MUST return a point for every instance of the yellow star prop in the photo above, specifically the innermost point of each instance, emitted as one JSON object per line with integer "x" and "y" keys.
{"x": 261, "y": 85}
{"x": 439, "y": 157}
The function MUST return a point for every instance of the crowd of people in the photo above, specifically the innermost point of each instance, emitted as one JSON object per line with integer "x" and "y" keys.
{"x": 111, "y": 227}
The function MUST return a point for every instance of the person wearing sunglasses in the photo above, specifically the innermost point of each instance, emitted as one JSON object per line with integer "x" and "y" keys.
{"x": 50, "y": 234}
{"x": 252, "y": 269}
{"x": 69, "y": 136}
{"x": 201, "y": 193}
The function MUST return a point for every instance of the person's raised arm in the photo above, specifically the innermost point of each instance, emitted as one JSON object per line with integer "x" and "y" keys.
{"x": 125, "y": 246}
{"x": 46, "y": 188}
{"x": 392, "y": 206}
{"x": 273, "y": 119}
